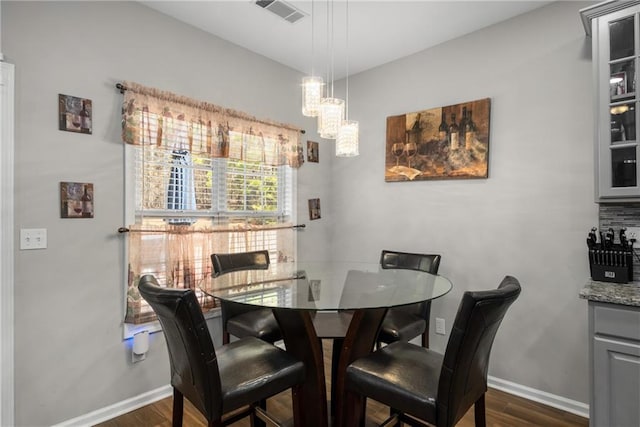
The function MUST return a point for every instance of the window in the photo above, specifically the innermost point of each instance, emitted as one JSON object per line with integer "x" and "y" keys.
{"x": 193, "y": 191}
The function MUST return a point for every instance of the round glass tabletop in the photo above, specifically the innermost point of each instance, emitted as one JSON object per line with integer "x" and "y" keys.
{"x": 327, "y": 286}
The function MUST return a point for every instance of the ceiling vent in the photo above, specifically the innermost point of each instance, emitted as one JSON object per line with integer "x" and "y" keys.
{"x": 282, "y": 9}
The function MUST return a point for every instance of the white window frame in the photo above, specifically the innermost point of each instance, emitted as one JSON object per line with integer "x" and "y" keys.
{"x": 286, "y": 207}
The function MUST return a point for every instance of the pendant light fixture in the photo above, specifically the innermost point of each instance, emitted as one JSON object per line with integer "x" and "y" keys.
{"x": 331, "y": 112}
{"x": 311, "y": 95}
{"x": 330, "y": 117}
{"x": 348, "y": 138}
{"x": 311, "y": 85}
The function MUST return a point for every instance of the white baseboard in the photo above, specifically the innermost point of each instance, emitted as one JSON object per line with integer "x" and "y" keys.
{"x": 120, "y": 408}
{"x": 558, "y": 402}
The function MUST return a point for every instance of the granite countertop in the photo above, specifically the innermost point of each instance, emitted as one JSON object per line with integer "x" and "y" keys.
{"x": 615, "y": 293}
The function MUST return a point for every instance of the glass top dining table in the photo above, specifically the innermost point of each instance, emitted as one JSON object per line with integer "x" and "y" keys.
{"x": 327, "y": 286}
{"x": 297, "y": 290}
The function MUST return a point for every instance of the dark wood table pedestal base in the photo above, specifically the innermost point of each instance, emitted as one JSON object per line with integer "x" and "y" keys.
{"x": 360, "y": 340}
{"x": 302, "y": 341}
{"x": 332, "y": 325}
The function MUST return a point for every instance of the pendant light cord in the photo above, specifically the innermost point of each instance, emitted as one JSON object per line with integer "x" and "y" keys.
{"x": 347, "y": 43}
{"x": 332, "y": 49}
{"x": 312, "y": 40}
{"x": 327, "y": 57}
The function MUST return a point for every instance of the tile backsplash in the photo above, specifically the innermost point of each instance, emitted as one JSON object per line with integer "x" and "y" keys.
{"x": 618, "y": 215}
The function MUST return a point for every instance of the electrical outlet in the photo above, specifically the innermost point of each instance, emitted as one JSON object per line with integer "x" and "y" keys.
{"x": 633, "y": 233}
{"x": 440, "y": 329}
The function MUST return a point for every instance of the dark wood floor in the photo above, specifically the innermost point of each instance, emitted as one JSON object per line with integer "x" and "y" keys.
{"x": 503, "y": 410}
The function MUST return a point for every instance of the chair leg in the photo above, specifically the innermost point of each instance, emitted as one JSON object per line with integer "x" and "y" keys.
{"x": 352, "y": 414}
{"x": 396, "y": 420}
{"x": 296, "y": 393}
{"x": 480, "y": 413}
{"x": 392, "y": 412}
{"x": 225, "y": 337}
{"x": 178, "y": 408}
{"x": 255, "y": 420}
{"x": 427, "y": 316}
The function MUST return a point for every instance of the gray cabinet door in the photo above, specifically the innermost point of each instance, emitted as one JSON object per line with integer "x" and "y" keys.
{"x": 616, "y": 58}
{"x": 616, "y": 383}
{"x": 617, "y": 104}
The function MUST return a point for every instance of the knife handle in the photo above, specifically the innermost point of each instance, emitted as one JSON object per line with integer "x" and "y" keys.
{"x": 623, "y": 238}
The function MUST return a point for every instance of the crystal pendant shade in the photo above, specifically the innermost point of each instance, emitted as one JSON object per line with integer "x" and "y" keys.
{"x": 330, "y": 117}
{"x": 347, "y": 140}
{"x": 311, "y": 95}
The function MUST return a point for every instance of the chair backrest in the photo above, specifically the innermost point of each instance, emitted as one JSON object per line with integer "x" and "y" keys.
{"x": 409, "y": 261}
{"x": 226, "y": 263}
{"x": 463, "y": 378}
{"x": 194, "y": 366}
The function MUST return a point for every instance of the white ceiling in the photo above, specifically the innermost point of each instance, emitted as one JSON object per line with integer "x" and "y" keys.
{"x": 379, "y": 31}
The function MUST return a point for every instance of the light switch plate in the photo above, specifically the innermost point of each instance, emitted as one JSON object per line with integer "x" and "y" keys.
{"x": 33, "y": 238}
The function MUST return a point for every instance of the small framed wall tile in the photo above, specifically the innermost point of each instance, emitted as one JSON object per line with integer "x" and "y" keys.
{"x": 314, "y": 209}
{"x": 76, "y": 200}
{"x": 313, "y": 153}
{"x": 75, "y": 114}
{"x": 314, "y": 290}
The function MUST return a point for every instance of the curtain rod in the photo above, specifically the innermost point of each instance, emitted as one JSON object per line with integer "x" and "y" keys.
{"x": 122, "y": 88}
{"x": 284, "y": 227}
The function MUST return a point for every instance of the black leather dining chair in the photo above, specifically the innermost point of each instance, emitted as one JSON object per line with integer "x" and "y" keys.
{"x": 424, "y": 386}
{"x": 242, "y": 320}
{"x": 243, "y": 373}
{"x": 409, "y": 321}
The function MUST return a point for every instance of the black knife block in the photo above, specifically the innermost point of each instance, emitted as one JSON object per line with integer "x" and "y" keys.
{"x": 611, "y": 265}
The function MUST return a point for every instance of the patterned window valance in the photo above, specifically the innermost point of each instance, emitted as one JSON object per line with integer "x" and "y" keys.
{"x": 154, "y": 117}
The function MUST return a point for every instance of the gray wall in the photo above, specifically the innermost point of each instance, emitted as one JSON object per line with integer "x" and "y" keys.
{"x": 70, "y": 357}
{"x": 528, "y": 219}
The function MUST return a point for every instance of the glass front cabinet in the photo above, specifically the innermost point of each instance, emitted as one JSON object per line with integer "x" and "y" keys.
{"x": 615, "y": 30}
